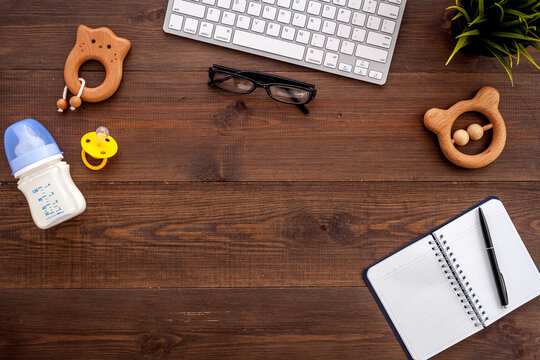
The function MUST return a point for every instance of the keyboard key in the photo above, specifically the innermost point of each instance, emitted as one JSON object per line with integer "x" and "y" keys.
{"x": 175, "y": 22}
{"x": 314, "y": 8}
{"x": 360, "y": 71}
{"x": 379, "y": 39}
{"x": 373, "y": 22}
{"x": 362, "y": 63}
{"x": 189, "y": 8}
{"x": 254, "y": 9}
{"x": 329, "y": 27}
{"x": 344, "y": 15}
{"x": 355, "y": 4}
{"x": 332, "y": 44}
{"x": 239, "y": 5}
{"x": 267, "y": 44}
{"x": 303, "y": 36}
{"x": 388, "y": 10}
{"x": 359, "y": 19}
{"x": 243, "y": 22}
{"x": 284, "y": 3}
{"x": 395, "y": 1}
{"x": 190, "y": 25}
{"x": 370, "y": 6}
{"x": 228, "y": 18}
{"x": 314, "y": 24}
{"x": 271, "y": 2}
{"x": 330, "y": 60}
{"x": 299, "y": 5}
{"x": 340, "y": 2}
{"x": 345, "y": 67}
{"x": 344, "y": 31}
{"x": 299, "y": 20}
{"x": 206, "y": 29}
{"x": 269, "y": 12}
{"x": 213, "y": 14}
{"x": 347, "y": 47}
{"x": 225, "y": 4}
{"x": 388, "y": 26}
{"x": 375, "y": 74}
{"x": 288, "y": 33}
{"x": 329, "y": 11}
{"x": 317, "y": 40}
{"x": 314, "y": 56}
{"x": 358, "y": 34}
{"x": 371, "y": 53}
{"x": 284, "y": 16}
{"x": 223, "y": 33}
{"x": 273, "y": 29}
{"x": 209, "y": 2}
{"x": 258, "y": 25}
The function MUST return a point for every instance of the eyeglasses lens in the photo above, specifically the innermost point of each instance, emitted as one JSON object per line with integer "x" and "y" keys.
{"x": 233, "y": 83}
{"x": 290, "y": 95}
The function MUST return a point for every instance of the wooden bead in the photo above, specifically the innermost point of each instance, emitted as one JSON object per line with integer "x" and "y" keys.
{"x": 75, "y": 101}
{"x": 461, "y": 137}
{"x": 475, "y": 131}
{"x": 62, "y": 104}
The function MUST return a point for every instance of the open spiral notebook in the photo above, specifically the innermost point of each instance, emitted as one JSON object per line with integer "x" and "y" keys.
{"x": 440, "y": 289}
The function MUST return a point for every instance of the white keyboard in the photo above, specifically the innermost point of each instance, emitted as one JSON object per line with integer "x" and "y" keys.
{"x": 353, "y": 38}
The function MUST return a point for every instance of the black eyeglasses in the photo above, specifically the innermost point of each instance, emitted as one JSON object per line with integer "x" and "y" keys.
{"x": 281, "y": 89}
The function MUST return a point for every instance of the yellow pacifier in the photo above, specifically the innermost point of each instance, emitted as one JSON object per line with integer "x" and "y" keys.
{"x": 98, "y": 145}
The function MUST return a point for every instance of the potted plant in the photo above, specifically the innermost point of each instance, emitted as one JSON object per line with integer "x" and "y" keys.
{"x": 498, "y": 28}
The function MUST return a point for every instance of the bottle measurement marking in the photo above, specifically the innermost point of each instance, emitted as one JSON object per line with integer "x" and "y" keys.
{"x": 47, "y": 198}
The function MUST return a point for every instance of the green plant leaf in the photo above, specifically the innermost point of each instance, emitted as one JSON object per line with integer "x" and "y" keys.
{"x": 513, "y": 36}
{"x": 480, "y": 7}
{"x": 526, "y": 54}
{"x": 502, "y": 11}
{"x": 503, "y": 62}
{"x": 461, "y": 10}
{"x": 469, "y": 33}
{"x": 458, "y": 15}
{"x": 461, "y": 43}
{"x": 478, "y": 20}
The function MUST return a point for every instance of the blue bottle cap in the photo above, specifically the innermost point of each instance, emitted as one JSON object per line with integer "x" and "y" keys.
{"x": 27, "y": 142}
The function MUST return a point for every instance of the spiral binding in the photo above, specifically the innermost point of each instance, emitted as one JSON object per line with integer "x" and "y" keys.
{"x": 458, "y": 281}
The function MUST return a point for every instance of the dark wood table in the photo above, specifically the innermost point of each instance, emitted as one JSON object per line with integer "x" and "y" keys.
{"x": 235, "y": 227}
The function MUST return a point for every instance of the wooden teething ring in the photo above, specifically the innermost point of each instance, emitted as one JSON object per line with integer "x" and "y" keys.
{"x": 440, "y": 122}
{"x": 104, "y": 46}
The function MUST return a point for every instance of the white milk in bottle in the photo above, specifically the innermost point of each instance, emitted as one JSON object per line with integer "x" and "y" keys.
{"x": 44, "y": 178}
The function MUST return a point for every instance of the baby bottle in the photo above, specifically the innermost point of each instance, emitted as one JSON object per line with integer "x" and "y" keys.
{"x": 44, "y": 178}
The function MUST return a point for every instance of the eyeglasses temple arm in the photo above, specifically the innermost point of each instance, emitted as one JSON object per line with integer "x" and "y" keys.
{"x": 302, "y": 107}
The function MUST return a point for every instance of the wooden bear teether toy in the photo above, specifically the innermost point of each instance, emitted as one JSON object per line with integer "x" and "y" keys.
{"x": 440, "y": 122}
{"x": 94, "y": 44}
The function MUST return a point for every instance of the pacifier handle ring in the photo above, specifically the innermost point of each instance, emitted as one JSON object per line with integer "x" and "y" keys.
{"x": 104, "y": 46}
{"x": 90, "y": 166}
{"x": 440, "y": 122}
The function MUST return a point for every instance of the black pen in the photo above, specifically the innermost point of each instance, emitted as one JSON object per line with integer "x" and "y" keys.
{"x": 499, "y": 279}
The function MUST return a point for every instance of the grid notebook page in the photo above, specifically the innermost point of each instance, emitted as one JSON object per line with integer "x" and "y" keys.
{"x": 464, "y": 235}
{"x": 418, "y": 298}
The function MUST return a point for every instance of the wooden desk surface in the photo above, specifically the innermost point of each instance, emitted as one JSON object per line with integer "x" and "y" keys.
{"x": 234, "y": 227}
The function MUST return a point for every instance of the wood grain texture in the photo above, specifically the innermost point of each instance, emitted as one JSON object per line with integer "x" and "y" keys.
{"x": 316, "y": 323}
{"x": 354, "y": 132}
{"x": 424, "y": 39}
{"x": 237, "y": 235}
{"x": 241, "y": 207}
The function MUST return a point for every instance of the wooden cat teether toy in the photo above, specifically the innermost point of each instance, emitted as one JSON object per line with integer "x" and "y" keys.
{"x": 440, "y": 122}
{"x": 99, "y": 44}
